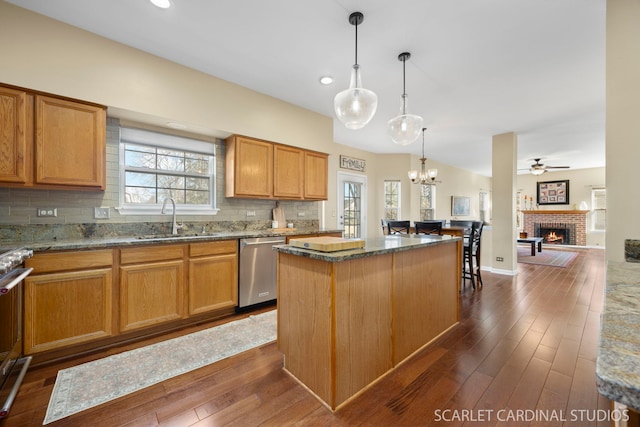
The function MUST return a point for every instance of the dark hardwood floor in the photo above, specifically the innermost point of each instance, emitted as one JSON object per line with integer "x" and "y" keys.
{"x": 525, "y": 347}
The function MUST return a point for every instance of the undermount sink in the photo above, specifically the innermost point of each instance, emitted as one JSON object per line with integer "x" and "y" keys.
{"x": 173, "y": 236}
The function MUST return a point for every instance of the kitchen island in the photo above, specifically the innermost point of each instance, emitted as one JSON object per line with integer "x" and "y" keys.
{"x": 618, "y": 360}
{"x": 347, "y": 318}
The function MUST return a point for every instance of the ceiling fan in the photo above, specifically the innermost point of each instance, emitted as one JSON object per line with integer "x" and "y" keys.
{"x": 538, "y": 168}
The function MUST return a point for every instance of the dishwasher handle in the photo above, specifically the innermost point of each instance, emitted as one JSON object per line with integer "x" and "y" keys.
{"x": 264, "y": 242}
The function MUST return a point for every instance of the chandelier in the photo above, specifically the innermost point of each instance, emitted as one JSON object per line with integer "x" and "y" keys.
{"x": 425, "y": 176}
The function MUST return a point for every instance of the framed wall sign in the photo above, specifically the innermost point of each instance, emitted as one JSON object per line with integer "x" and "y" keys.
{"x": 460, "y": 206}
{"x": 352, "y": 163}
{"x": 553, "y": 192}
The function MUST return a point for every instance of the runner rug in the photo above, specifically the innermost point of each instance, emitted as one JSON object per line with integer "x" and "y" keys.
{"x": 553, "y": 258}
{"x": 93, "y": 383}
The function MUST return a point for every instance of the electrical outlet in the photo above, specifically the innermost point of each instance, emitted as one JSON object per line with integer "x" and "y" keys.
{"x": 499, "y": 258}
{"x": 101, "y": 213}
{"x": 47, "y": 212}
{"x": 251, "y": 213}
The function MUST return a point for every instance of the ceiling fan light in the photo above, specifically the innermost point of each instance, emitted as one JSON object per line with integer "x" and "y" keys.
{"x": 537, "y": 171}
{"x": 162, "y": 4}
{"x": 356, "y": 106}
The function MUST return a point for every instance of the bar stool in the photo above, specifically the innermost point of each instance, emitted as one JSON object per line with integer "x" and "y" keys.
{"x": 398, "y": 227}
{"x": 428, "y": 227}
{"x": 471, "y": 255}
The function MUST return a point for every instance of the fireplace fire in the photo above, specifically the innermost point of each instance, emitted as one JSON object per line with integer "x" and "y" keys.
{"x": 556, "y": 233}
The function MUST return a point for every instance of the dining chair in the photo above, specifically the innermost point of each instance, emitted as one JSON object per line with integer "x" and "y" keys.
{"x": 471, "y": 255}
{"x": 398, "y": 227}
{"x": 462, "y": 223}
{"x": 428, "y": 227}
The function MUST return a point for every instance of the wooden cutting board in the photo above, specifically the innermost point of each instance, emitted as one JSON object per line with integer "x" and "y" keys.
{"x": 278, "y": 215}
{"x": 327, "y": 243}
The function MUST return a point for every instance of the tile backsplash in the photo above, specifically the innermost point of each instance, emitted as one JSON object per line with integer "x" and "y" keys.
{"x": 19, "y": 206}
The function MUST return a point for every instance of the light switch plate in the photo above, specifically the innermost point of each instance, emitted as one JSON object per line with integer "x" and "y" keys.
{"x": 101, "y": 213}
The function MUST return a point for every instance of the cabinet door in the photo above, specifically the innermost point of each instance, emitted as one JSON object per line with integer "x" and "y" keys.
{"x": 16, "y": 134}
{"x": 213, "y": 283}
{"x": 249, "y": 168}
{"x": 316, "y": 175}
{"x": 62, "y": 309}
{"x": 150, "y": 294}
{"x": 288, "y": 166}
{"x": 70, "y": 143}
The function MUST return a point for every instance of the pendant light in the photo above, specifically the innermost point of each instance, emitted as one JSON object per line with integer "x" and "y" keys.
{"x": 404, "y": 128}
{"x": 425, "y": 176}
{"x": 355, "y": 106}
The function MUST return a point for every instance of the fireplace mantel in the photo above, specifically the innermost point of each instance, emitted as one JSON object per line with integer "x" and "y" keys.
{"x": 549, "y": 212}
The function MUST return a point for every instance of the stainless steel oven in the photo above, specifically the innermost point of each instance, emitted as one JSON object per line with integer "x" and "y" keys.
{"x": 13, "y": 365}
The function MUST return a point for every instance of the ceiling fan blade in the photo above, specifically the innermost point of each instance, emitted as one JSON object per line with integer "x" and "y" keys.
{"x": 558, "y": 167}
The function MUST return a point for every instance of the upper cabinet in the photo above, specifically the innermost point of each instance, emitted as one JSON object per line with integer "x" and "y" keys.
{"x": 267, "y": 170}
{"x": 51, "y": 142}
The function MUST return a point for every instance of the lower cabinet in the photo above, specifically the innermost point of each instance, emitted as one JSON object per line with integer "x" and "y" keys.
{"x": 68, "y": 300}
{"x": 213, "y": 276}
{"x": 78, "y": 299}
{"x": 152, "y": 285}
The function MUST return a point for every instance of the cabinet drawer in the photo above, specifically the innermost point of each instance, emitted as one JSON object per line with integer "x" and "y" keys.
{"x": 63, "y": 261}
{"x": 151, "y": 253}
{"x": 213, "y": 248}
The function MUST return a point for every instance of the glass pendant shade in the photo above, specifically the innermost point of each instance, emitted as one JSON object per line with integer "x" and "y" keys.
{"x": 404, "y": 128}
{"x": 356, "y": 106}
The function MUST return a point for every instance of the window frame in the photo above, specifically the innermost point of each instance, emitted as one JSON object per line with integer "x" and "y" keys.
{"x": 594, "y": 210}
{"x": 172, "y": 142}
{"x": 399, "y": 197}
{"x": 432, "y": 203}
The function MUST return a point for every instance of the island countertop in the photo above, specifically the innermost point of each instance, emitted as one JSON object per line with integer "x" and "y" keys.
{"x": 618, "y": 361}
{"x": 373, "y": 246}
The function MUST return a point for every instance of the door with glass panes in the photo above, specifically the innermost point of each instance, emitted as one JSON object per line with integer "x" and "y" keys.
{"x": 352, "y": 204}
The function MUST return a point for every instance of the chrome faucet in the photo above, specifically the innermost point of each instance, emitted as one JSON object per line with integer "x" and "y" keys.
{"x": 174, "y": 224}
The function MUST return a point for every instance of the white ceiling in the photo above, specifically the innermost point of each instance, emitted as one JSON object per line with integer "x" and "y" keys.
{"x": 477, "y": 68}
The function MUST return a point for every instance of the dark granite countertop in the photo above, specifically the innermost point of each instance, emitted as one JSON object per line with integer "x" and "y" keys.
{"x": 618, "y": 361}
{"x": 373, "y": 246}
{"x": 152, "y": 239}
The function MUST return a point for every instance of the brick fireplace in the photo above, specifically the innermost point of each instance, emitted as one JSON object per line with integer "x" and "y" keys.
{"x": 557, "y": 227}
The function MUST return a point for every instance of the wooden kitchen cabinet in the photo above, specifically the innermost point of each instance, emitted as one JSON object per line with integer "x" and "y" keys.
{"x": 51, "y": 142}
{"x": 70, "y": 147}
{"x": 249, "y": 168}
{"x": 213, "y": 276}
{"x": 288, "y": 172}
{"x": 68, "y": 299}
{"x": 267, "y": 170}
{"x": 152, "y": 285}
{"x": 316, "y": 175}
{"x": 16, "y": 113}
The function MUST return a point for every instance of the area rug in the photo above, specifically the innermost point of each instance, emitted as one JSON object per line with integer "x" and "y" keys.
{"x": 93, "y": 383}
{"x": 553, "y": 258}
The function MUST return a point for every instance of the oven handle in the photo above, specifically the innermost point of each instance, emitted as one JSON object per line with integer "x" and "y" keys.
{"x": 9, "y": 281}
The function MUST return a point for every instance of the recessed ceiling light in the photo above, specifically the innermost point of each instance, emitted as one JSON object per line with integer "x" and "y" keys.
{"x": 326, "y": 80}
{"x": 163, "y": 4}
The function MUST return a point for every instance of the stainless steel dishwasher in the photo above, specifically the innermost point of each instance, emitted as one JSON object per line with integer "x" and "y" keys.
{"x": 257, "y": 277}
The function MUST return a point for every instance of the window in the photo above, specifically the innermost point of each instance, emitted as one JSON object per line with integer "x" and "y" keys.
{"x": 598, "y": 209}
{"x": 155, "y": 166}
{"x": 427, "y": 202}
{"x": 392, "y": 200}
{"x": 485, "y": 206}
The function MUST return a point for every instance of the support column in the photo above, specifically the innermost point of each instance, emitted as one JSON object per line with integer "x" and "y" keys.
{"x": 504, "y": 180}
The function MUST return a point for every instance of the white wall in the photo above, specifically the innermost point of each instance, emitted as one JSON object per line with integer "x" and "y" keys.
{"x": 622, "y": 129}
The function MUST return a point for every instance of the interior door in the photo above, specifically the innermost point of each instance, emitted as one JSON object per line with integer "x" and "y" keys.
{"x": 352, "y": 204}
